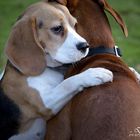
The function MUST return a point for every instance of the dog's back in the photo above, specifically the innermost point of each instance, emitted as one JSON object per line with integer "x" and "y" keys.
{"x": 106, "y": 112}
{"x": 110, "y": 111}
{"x": 106, "y": 115}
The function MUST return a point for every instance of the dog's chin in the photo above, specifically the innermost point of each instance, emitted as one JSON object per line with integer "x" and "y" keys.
{"x": 70, "y": 60}
{"x": 52, "y": 62}
{"x": 60, "y": 60}
{"x": 67, "y": 60}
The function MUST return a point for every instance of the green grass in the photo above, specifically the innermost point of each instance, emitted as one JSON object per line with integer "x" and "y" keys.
{"x": 130, "y": 11}
{"x": 9, "y": 11}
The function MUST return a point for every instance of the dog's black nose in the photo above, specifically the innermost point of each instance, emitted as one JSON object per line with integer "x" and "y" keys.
{"x": 82, "y": 46}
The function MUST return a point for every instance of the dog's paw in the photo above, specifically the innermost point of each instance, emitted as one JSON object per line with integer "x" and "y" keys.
{"x": 135, "y": 73}
{"x": 96, "y": 76}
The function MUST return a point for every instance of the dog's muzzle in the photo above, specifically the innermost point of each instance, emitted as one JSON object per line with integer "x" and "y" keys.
{"x": 82, "y": 47}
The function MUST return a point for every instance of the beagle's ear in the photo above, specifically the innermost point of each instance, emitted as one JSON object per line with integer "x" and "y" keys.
{"x": 117, "y": 17}
{"x": 23, "y": 48}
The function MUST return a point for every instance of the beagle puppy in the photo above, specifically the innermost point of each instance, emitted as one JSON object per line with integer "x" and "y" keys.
{"x": 41, "y": 42}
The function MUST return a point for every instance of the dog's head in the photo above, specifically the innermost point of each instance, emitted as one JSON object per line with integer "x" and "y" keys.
{"x": 45, "y": 35}
{"x": 93, "y": 24}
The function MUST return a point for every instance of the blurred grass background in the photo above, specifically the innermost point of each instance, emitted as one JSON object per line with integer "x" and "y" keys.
{"x": 129, "y": 10}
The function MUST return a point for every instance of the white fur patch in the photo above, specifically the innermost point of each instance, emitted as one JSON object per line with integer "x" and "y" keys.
{"x": 68, "y": 52}
{"x": 55, "y": 92}
{"x": 45, "y": 82}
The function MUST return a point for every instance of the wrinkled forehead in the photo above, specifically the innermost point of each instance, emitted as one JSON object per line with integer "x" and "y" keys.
{"x": 66, "y": 12}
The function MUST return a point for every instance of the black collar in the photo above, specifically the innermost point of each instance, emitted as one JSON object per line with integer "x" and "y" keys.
{"x": 104, "y": 50}
{"x": 101, "y": 50}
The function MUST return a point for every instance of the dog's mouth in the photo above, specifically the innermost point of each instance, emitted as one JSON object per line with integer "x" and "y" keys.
{"x": 59, "y": 60}
{"x": 52, "y": 62}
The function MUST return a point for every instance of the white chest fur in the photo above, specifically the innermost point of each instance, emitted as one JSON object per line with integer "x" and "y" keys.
{"x": 45, "y": 82}
{"x": 55, "y": 92}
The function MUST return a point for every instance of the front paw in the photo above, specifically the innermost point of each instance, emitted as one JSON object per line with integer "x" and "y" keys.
{"x": 96, "y": 76}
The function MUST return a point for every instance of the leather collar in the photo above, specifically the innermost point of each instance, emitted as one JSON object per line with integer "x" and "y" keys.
{"x": 105, "y": 50}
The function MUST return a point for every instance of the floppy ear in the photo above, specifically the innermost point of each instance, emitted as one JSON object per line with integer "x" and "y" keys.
{"x": 117, "y": 17}
{"x": 23, "y": 48}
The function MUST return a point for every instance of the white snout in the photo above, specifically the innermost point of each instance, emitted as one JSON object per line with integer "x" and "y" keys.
{"x": 68, "y": 52}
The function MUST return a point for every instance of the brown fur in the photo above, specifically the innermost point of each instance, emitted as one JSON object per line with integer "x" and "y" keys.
{"x": 19, "y": 51}
{"x": 26, "y": 98}
{"x": 26, "y": 57}
{"x": 107, "y": 112}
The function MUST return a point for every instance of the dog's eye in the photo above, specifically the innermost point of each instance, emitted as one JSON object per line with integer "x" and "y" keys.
{"x": 40, "y": 25}
{"x": 58, "y": 29}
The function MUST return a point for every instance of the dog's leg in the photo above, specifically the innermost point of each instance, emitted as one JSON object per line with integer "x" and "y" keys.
{"x": 136, "y": 73}
{"x": 65, "y": 91}
{"x": 36, "y": 132}
{"x": 60, "y": 95}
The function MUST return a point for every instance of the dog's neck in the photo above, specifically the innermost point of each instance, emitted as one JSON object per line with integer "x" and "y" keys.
{"x": 105, "y": 50}
{"x": 61, "y": 69}
{"x": 92, "y": 52}
{"x": 55, "y": 65}
{"x": 111, "y": 62}
{"x": 100, "y": 32}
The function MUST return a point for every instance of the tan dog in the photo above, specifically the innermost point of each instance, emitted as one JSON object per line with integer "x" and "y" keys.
{"x": 41, "y": 41}
{"x": 106, "y": 112}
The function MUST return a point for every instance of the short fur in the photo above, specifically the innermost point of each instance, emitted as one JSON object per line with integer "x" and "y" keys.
{"x": 106, "y": 112}
{"x": 9, "y": 116}
{"x": 41, "y": 41}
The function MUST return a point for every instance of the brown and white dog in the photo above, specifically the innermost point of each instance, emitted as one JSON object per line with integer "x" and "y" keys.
{"x": 106, "y": 112}
{"x": 33, "y": 85}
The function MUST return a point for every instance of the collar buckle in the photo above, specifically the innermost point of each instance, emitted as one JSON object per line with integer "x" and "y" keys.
{"x": 105, "y": 50}
{"x": 117, "y": 51}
